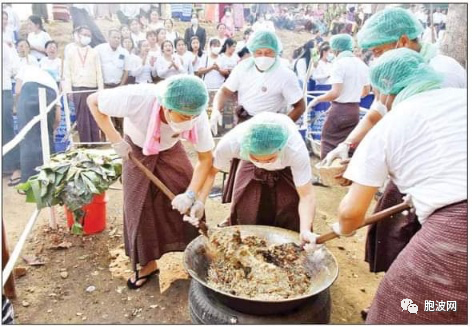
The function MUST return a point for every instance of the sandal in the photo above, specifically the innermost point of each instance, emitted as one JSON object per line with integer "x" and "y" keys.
{"x": 134, "y": 285}
{"x": 14, "y": 181}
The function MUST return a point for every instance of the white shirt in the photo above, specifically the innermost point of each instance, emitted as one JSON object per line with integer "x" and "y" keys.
{"x": 229, "y": 62}
{"x": 155, "y": 27}
{"x": 135, "y": 103}
{"x": 437, "y": 18}
{"x": 353, "y": 73}
{"x": 28, "y": 61}
{"x": 213, "y": 79}
{"x": 294, "y": 155}
{"x": 264, "y": 91}
{"x": 187, "y": 59}
{"x": 240, "y": 45}
{"x": 322, "y": 72}
{"x": 163, "y": 70}
{"x": 263, "y": 26}
{"x": 136, "y": 38}
{"x": 130, "y": 10}
{"x": 10, "y": 66}
{"x": 200, "y": 62}
{"x": 13, "y": 20}
{"x": 422, "y": 145}
{"x": 38, "y": 41}
{"x": 171, "y": 36}
{"x": 114, "y": 63}
{"x": 142, "y": 73}
{"x": 37, "y": 75}
{"x": 454, "y": 74}
{"x": 54, "y": 65}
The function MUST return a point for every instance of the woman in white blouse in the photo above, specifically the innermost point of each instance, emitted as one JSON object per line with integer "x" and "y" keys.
{"x": 229, "y": 59}
{"x": 322, "y": 71}
{"x": 52, "y": 63}
{"x": 142, "y": 72}
{"x": 161, "y": 37}
{"x": 185, "y": 55}
{"x": 169, "y": 64}
{"x": 134, "y": 60}
{"x": 37, "y": 37}
{"x": 136, "y": 33}
{"x": 171, "y": 35}
{"x": 197, "y": 53}
{"x": 154, "y": 48}
{"x": 23, "y": 48}
{"x": 155, "y": 22}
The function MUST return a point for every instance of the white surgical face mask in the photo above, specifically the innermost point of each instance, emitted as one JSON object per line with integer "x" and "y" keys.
{"x": 194, "y": 21}
{"x": 216, "y": 50}
{"x": 85, "y": 40}
{"x": 264, "y": 63}
{"x": 179, "y": 127}
{"x": 331, "y": 57}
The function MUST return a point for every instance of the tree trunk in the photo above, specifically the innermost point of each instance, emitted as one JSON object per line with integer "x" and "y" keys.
{"x": 454, "y": 43}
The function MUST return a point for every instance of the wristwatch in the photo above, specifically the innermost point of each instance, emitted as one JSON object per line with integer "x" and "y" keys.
{"x": 191, "y": 194}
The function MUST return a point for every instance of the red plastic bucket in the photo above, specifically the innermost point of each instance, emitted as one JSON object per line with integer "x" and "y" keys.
{"x": 95, "y": 219}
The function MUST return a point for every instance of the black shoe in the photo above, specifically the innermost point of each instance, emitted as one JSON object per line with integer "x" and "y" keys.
{"x": 134, "y": 285}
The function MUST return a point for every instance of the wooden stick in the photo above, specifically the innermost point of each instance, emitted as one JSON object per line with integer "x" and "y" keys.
{"x": 370, "y": 220}
{"x": 201, "y": 225}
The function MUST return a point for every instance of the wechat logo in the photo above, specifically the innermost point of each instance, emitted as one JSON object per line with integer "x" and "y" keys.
{"x": 408, "y": 305}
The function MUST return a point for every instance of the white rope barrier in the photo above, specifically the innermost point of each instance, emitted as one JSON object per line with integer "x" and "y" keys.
{"x": 19, "y": 246}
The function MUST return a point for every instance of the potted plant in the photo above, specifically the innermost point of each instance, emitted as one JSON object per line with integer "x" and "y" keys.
{"x": 72, "y": 179}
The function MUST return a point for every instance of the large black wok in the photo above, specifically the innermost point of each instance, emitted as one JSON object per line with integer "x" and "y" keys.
{"x": 323, "y": 274}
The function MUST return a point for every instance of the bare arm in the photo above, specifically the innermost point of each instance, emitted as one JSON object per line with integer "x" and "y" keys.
{"x": 354, "y": 206}
{"x": 202, "y": 168}
{"x": 210, "y": 180}
{"x": 365, "y": 90}
{"x": 103, "y": 121}
{"x": 332, "y": 95}
{"x": 298, "y": 109}
{"x": 365, "y": 125}
{"x": 124, "y": 78}
{"x": 57, "y": 117}
{"x": 306, "y": 206}
{"x": 221, "y": 96}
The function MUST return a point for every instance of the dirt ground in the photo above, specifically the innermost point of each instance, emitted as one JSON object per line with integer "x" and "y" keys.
{"x": 56, "y": 292}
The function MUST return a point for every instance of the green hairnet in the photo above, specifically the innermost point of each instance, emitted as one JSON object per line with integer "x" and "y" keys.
{"x": 185, "y": 94}
{"x": 263, "y": 138}
{"x": 341, "y": 42}
{"x": 264, "y": 39}
{"x": 403, "y": 71}
{"x": 388, "y": 26}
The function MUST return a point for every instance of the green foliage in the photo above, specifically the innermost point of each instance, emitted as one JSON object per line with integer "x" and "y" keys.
{"x": 72, "y": 179}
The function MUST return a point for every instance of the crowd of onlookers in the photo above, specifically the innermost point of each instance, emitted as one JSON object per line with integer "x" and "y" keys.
{"x": 144, "y": 48}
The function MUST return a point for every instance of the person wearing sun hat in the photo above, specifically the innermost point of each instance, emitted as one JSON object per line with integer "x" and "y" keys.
{"x": 156, "y": 117}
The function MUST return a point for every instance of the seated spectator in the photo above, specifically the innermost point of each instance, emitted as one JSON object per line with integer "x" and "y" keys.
{"x": 211, "y": 71}
{"x": 322, "y": 71}
{"x": 23, "y": 48}
{"x": 263, "y": 23}
{"x": 197, "y": 53}
{"x": 169, "y": 64}
{"x": 229, "y": 58}
{"x": 241, "y": 44}
{"x": 37, "y": 37}
{"x": 28, "y": 81}
{"x": 155, "y": 22}
{"x": 195, "y": 30}
{"x": 137, "y": 34}
{"x": 142, "y": 70}
{"x": 228, "y": 21}
{"x": 51, "y": 62}
{"x": 171, "y": 35}
{"x": 185, "y": 55}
